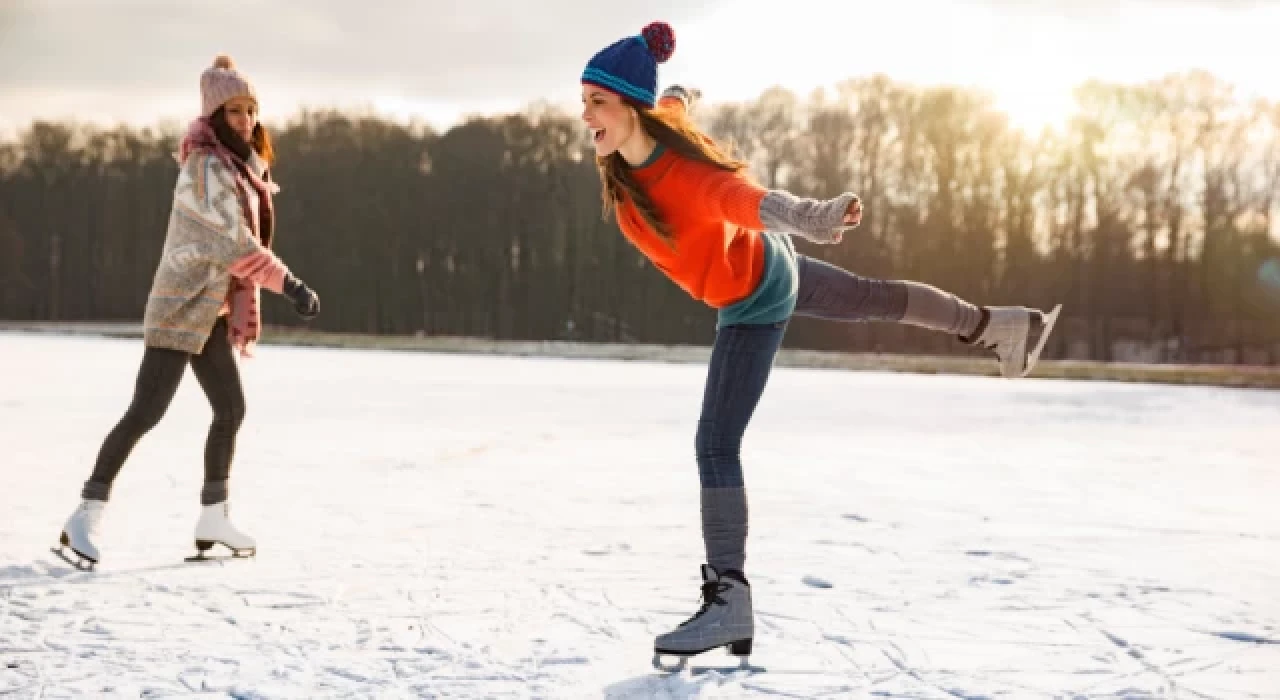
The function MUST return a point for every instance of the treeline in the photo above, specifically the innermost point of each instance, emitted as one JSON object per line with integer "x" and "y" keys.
{"x": 1149, "y": 216}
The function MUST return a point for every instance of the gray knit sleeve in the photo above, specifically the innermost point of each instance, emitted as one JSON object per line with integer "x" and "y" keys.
{"x": 814, "y": 219}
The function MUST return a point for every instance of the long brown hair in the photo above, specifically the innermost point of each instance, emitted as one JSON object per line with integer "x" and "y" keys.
{"x": 676, "y": 131}
{"x": 261, "y": 141}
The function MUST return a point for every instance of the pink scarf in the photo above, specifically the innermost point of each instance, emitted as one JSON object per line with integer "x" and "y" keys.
{"x": 245, "y": 322}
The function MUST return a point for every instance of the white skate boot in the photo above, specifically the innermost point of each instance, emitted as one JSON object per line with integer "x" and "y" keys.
{"x": 724, "y": 620}
{"x": 214, "y": 527}
{"x": 1017, "y": 335}
{"x": 79, "y": 533}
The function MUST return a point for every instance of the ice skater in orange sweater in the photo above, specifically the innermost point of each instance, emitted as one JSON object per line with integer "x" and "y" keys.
{"x": 694, "y": 212}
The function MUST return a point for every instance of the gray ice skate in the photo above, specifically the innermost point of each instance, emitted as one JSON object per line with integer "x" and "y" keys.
{"x": 724, "y": 620}
{"x": 1017, "y": 335}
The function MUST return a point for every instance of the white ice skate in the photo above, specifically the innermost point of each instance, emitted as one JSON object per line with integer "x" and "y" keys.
{"x": 724, "y": 620}
{"x": 1018, "y": 336}
{"x": 214, "y": 527}
{"x": 79, "y": 533}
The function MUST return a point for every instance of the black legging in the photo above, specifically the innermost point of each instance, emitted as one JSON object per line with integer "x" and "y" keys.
{"x": 158, "y": 379}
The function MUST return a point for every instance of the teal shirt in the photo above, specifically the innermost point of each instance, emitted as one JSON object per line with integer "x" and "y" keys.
{"x": 653, "y": 157}
{"x": 774, "y": 299}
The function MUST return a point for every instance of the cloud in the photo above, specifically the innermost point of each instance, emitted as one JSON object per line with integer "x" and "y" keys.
{"x": 140, "y": 60}
{"x": 1096, "y": 8}
{"x": 446, "y": 51}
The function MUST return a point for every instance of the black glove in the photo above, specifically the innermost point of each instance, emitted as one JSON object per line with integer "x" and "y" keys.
{"x": 305, "y": 301}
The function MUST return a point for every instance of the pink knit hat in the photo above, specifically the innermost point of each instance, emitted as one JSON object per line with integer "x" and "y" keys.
{"x": 221, "y": 82}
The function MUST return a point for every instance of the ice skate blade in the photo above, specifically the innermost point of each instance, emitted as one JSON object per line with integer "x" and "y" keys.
{"x": 83, "y": 563}
{"x": 743, "y": 666}
{"x": 682, "y": 663}
{"x": 203, "y": 547}
{"x": 740, "y": 649}
{"x": 1050, "y": 320}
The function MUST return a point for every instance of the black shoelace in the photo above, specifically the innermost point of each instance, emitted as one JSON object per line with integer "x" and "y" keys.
{"x": 711, "y": 591}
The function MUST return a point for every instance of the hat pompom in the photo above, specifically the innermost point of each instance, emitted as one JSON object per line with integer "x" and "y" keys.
{"x": 223, "y": 61}
{"x": 661, "y": 40}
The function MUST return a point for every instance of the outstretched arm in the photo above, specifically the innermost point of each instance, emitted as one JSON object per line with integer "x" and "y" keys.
{"x": 735, "y": 199}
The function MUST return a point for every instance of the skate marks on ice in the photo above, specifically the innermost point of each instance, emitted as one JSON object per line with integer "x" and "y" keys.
{"x": 816, "y": 582}
{"x": 718, "y": 674}
{"x": 1122, "y": 631}
{"x": 1029, "y": 620}
{"x": 56, "y": 571}
{"x": 192, "y": 637}
{"x": 129, "y": 635}
{"x": 432, "y": 574}
{"x": 935, "y": 626}
{"x": 1246, "y": 638}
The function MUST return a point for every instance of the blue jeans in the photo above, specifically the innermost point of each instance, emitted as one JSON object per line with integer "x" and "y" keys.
{"x": 741, "y": 359}
{"x": 743, "y": 354}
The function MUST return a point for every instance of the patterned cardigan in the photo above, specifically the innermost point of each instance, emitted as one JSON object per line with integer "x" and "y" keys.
{"x": 209, "y": 240}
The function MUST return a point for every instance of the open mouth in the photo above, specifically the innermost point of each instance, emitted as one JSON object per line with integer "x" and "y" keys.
{"x": 597, "y": 135}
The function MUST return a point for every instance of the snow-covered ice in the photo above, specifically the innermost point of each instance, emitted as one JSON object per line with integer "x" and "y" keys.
{"x": 451, "y": 526}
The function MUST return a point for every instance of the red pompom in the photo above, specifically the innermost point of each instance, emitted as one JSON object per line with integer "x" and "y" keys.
{"x": 661, "y": 39}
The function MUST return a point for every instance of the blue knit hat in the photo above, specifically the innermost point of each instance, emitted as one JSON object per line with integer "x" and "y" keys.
{"x": 629, "y": 66}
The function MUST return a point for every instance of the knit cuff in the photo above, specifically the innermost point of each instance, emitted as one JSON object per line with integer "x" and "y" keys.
{"x": 686, "y": 96}
{"x": 262, "y": 267}
{"x": 814, "y": 220}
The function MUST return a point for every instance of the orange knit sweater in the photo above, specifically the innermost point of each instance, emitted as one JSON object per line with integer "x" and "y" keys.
{"x": 714, "y": 217}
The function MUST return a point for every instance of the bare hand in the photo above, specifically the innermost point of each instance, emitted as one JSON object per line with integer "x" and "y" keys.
{"x": 852, "y": 217}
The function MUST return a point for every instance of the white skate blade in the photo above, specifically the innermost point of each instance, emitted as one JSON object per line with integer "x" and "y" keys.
{"x": 740, "y": 649}
{"x": 84, "y": 563}
{"x": 743, "y": 666}
{"x": 734, "y": 667}
{"x": 196, "y": 558}
{"x": 1050, "y": 320}
{"x": 203, "y": 547}
{"x": 681, "y": 663}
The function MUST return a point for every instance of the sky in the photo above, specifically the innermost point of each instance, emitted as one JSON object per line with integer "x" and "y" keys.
{"x": 139, "y": 61}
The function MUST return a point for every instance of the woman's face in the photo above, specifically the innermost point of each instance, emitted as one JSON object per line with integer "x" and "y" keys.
{"x": 611, "y": 120}
{"x": 242, "y": 116}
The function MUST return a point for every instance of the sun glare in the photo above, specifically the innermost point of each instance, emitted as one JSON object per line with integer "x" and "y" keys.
{"x": 1034, "y": 110}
